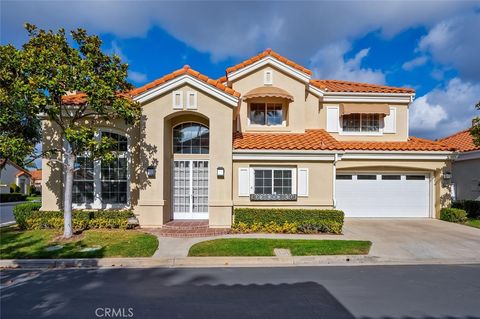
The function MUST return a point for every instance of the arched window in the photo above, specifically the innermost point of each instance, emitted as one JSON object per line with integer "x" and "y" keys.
{"x": 191, "y": 138}
{"x": 99, "y": 184}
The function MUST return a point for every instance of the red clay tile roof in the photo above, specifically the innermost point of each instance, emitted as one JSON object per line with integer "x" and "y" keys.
{"x": 264, "y": 54}
{"x": 320, "y": 140}
{"x": 462, "y": 141}
{"x": 36, "y": 175}
{"x": 80, "y": 98}
{"x": 346, "y": 86}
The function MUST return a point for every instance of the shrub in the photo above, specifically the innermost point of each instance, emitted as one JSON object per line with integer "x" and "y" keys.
{"x": 12, "y": 197}
{"x": 454, "y": 215}
{"x": 28, "y": 216}
{"x": 32, "y": 190}
{"x": 288, "y": 220}
{"x": 472, "y": 207}
{"x": 14, "y": 188}
{"x": 22, "y": 211}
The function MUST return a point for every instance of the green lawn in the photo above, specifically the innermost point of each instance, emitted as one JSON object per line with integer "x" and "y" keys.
{"x": 17, "y": 244}
{"x": 473, "y": 222}
{"x": 264, "y": 247}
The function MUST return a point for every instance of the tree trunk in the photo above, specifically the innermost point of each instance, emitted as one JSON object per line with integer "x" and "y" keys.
{"x": 67, "y": 195}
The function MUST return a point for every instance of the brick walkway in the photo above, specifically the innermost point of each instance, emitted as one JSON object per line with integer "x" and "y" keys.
{"x": 187, "y": 228}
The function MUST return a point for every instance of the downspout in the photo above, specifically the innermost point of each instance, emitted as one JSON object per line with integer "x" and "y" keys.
{"x": 335, "y": 159}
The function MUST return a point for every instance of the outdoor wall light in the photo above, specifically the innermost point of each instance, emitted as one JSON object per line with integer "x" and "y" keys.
{"x": 151, "y": 171}
{"x": 220, "y": 172}
{"x": 447, "y": 175}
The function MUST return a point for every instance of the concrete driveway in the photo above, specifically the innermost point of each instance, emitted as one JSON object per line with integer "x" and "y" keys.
{"x": 416, "y": 239}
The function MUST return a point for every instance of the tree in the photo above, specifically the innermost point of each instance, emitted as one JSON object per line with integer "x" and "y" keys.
{"x": 52, "y": 69}
{"x": 475, "y": 130}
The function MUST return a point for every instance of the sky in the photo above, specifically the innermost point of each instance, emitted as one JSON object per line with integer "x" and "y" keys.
{"x": 431, "y": 46}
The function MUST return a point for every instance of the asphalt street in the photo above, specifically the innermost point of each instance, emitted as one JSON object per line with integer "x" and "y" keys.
{"x": 435, "y": 291}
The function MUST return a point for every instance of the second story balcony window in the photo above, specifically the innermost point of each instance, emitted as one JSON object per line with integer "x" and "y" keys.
{"x": 270, "y": 114}
{"x": 361, "y": 122}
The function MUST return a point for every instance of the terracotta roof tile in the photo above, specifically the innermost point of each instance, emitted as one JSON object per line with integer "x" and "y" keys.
{"x": 263, "y": 54}
{"x": 321, "y": 140}
{"x": 347, "y": 86}
{"x": 80, "y": 98}
{"x": 36, "y": 175}
{"x": 462, "y": 141}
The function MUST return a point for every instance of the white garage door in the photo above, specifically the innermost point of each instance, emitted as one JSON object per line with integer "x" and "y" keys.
{"x": 383, "y": 195}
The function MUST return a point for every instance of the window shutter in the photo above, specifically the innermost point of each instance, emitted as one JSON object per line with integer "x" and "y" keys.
{"x": 268, "y": 77}
{"x": 333, "y": 118}
{"x": 191, "y": 100}
{"x": 243, "y": 181}
{"x": 177, "y": 99}
{"x": 303, "y": 182}
{"x": 390, "y": 121}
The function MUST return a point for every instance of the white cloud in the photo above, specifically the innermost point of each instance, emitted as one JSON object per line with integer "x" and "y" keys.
{"x": 137, "y": 76}
{"x": 455, "y": 43}
{"x": 444, "y": 111}
{"x": 416, "y": 62}
{"x": 329, "y": 63}
{"x": 115, "y": 49}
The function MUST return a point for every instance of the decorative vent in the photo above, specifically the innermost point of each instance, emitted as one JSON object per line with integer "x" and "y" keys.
{"x": 273, "y": 197}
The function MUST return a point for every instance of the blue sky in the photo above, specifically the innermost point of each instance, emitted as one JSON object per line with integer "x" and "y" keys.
{"x": 432, "y": 46}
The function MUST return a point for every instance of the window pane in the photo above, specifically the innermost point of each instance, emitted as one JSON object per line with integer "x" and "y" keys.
{"x": 83, "y": 176}
{"x": 282, "y": 183}
{"x": 114, "y": 181}
{"x": 391, "y": 177}
{"x": 370, "y": 122}
{"x": 274, "y": 114}
{"x": 257, "y": 113}
{"x": 344, "y": 176}
{"x": 366, "y": 177}
{"x": 263, "y": 181}
{"x": 191, "y": 138}
{"x": 351, "y": 123}
{"x": 415, "y": 177}
{"x": 120, "y": 141}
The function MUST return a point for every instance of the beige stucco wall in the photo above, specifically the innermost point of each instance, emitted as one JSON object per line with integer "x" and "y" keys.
{"x": 320, "y": 188}
{"x": 464, "y": 175}
{"x": 441, "y": 195}
{"x": 154, "y": 206}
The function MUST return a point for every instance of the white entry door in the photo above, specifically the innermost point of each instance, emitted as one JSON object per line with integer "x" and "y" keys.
{"x": 190, "y": 189}
{"x": 383, "y": 195}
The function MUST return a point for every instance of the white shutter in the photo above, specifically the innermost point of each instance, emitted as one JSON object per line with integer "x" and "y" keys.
{"x": 177, "y": 100}
{"x": 268, "y": 77}
{"x": 243, "y": 181}
{"x": 390, "y": 121}
{"x": 333, "y": 118}
{"x": 191, "y": 100}
{"x": 302, "y": 182}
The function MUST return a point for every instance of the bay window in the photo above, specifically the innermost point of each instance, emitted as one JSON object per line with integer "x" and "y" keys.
{"x": 266, "y": 114}
{"x": 361, "y": 122}
{"x": 97, "y": 184}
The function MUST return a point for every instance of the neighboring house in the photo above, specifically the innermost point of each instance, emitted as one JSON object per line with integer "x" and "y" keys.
{"x": 14, "y": 174}
{"x": 37, "y": 179}
{"x": 466, "y": 168}
{"x": 297, "y": 143}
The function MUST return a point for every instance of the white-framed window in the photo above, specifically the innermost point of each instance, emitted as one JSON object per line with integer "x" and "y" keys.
{"x": 102, "y": 184}
{"x": 268, "y": 77}
{"x": 361, "y": 123}
{"x": 191, "y": 100}
{"x": 177, "y": 99}
{"x": 273, "y": 181}
{"x": 267, "y": 114}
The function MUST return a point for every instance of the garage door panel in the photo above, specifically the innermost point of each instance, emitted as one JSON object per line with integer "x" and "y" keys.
{"x": 383, "y": 197}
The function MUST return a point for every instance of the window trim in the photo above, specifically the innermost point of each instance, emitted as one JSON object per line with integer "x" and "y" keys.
{"x": 380, "y": 131}
{"x": 97, "y": 180}
{"x": 178, "y": 106}
{"x": 273, "y": 168}
{"x": 188, "y": 154}
{"x": 193, "y": 106}
{"x": 284, "y": 115}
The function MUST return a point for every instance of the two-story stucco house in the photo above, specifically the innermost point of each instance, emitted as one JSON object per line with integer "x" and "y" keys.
{"x": 265, "y": 135}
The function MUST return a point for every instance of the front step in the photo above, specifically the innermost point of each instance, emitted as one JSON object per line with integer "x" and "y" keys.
{"x": 186, "y": 225}
{"x": 188, "y": 228}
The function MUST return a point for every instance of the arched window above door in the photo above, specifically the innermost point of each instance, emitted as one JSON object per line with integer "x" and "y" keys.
{"x": 191, "y": 138}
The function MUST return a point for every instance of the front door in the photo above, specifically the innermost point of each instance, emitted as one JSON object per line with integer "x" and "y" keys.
{"x": 190, "y": 189}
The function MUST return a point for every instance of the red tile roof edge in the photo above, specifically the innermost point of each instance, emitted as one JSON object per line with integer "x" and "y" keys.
{"x": 357, "y": 87}
{"x": 461, "y": 140}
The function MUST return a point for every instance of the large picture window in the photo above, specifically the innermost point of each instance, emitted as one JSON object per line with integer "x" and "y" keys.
{"x": 361, "y": 123}
{"x": 100, "y": 183}
{"x": 273, "y": 184}
{"x": 266, "y": 113}
{"x": 191, "y": 138}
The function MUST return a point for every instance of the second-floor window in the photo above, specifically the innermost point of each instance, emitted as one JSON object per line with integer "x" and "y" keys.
{"x": 266, "y": 114}
{"x": 361, "y": 123}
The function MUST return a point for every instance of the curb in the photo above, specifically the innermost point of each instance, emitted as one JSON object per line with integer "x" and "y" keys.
{"x": 211, "y": 262}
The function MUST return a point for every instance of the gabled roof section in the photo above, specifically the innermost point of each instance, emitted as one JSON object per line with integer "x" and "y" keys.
{"x": 319, "y": 139}
{"x": 197, "y": 79}
{"x": 462, "y": 141}
{"x": 357, "y": 87}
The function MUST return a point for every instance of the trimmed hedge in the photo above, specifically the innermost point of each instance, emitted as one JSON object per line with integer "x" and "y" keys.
{"x": 28, "y": 216}
{"x": 472, "y": 207}
{"x": 277, "y": 220}
{"x": 12, "y": 197}
{"x": 454, "y": 215}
